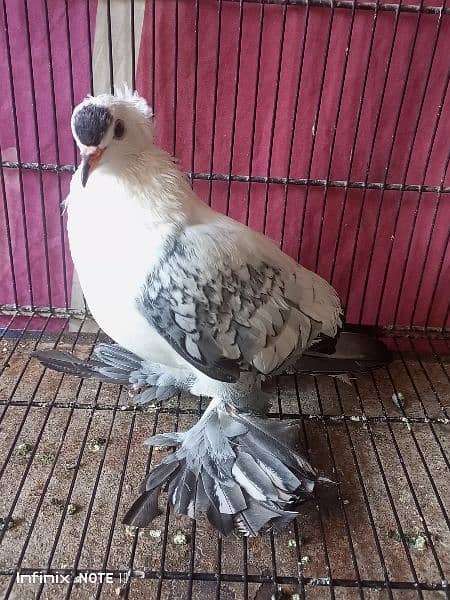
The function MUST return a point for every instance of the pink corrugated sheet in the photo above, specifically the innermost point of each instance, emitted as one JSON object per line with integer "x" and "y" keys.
{"x": 64, "y": 51}
{"x": 377, "y": 269}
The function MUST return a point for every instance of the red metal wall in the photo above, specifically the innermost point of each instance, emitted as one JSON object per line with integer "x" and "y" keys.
{"x": 368, "y": 109}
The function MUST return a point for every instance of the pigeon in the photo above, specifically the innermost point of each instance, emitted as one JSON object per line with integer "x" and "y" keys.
{"x": 196, "y": 301}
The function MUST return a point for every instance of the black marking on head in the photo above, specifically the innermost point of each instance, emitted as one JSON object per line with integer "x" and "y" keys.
{"x": 91, "y": 123}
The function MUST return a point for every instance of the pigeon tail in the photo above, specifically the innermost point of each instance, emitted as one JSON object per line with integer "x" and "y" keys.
{"x": 352, "y": 353}
{"x": 245, "y": 472}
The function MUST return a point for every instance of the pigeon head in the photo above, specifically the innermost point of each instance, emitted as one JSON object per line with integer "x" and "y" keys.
{"x": 111, "y": 130}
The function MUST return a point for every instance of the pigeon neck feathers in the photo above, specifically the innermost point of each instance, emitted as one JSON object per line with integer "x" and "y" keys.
{"x": 149, "y": 182}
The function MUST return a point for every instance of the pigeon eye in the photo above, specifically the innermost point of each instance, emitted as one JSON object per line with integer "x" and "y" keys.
{"x": 119, "y": 129}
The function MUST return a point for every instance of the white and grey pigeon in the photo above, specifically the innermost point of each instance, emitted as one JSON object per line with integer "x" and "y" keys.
{"x": 196, "y": 301}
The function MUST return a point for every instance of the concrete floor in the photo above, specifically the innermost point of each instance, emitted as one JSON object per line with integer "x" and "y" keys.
{"x": 72, "y": 457}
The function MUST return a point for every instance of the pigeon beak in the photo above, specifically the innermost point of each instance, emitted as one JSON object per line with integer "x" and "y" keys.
{"x": 90, "y": 156}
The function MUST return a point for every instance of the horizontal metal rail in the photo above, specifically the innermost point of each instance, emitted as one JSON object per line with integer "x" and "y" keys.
{"x": 67, "y": 313}
{"x": 360, "y": 419}
{"x": 336, "y": 183}
{"x": 388, "y": 7}
{"x": 121, "y": 575}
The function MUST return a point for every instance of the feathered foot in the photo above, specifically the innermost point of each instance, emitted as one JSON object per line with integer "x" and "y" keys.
{"x": 110, "y": 363}
{"x": 154, "y": 383}
{"x": 243, "y": 471}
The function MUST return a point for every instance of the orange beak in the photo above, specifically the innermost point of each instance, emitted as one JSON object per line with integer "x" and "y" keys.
{"x": 90, "y": 157}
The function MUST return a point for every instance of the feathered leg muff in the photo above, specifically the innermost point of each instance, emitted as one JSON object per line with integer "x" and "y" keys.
{"x": 242, "y": 470}
{"x": 148, "y": 382}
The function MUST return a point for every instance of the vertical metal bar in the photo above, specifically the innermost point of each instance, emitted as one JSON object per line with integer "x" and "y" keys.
{"x": 133, "y": 45}
{"x": 299, "y": 554}
{"x": 322, "y": 528}
{"x": 438, "y": 357}
{"x": 8, "y": 231}
{"x": 18, "y": 431}
{"x": 175, "y": 82}
{"x": 16, "y": 136}
{"x": 419, "y": 198}
{"x": 69, "y": 57}
{"x": 235, "y": 101}
{"x": 442, "y": 406}
{"x": 388, "y": 492}
{"x": 408, "y": 478}
{"x": 166, "y": 525}
{"x": 11, "y": 352}
{"x": 274, "y": 112}
{"x": 216, "y": 87}
{"x": 427, "y": 249}
{"x": 255, "y": 109}
{"x": 52, "y": 469}
{"x": 58, "y": 160}
{"x": 408, "y": 162}
{"x": 74, "y": 476}
{"x": 245, "y": 566}
{"x": 364, "y": 493}
{"x": 436, "y": 283}
{"x": 16, "y": 384}
{"x": 3, "y": 332}
{"x": 38, "y": 155}
{"x": 447, "y": 314}
{"x": 380, "y": 203}
{"x": 92, "y": 499}
{"x": 315, "y": 124}
{"x": 193, "y": 538}
{"x": 355, "y": 139}
{"x": 294, "y": 121}
{"x": 110, "y": 47}
{"x": 219, "y": 568}
{"x": 194, "y": 94}
{"x": 333, "y": 140}
{"x": 153, "y": 54}
{"x": 117, "y": 503}
{"x": 126, "y": 590}
{"x": 273, "y": 560}
{"x": 272, "y": 541}
{"x": 341, "y": 501}
{"x": 89, "y": 36}
{"x": 369, "y": 162}
{"x": 417, "y": 393}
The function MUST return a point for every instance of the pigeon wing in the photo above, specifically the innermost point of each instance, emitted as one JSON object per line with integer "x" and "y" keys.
{"x": 225, "y": 309}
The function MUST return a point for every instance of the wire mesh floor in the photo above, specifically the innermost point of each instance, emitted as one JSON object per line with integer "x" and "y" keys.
{"x": 73, "y": 456}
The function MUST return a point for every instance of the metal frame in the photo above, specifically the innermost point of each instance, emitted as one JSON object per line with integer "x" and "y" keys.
{"x": 430, "y": 421}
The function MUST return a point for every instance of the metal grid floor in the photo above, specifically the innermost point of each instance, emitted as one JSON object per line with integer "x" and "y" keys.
{"x": 72, "y": 458}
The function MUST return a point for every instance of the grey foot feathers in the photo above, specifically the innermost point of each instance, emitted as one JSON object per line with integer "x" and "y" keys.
{"x": 142, "y": 396}
{"x": 244, "y": 472}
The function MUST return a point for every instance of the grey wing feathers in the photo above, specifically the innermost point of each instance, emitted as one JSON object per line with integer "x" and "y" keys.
{"x": 224, "y": 314}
